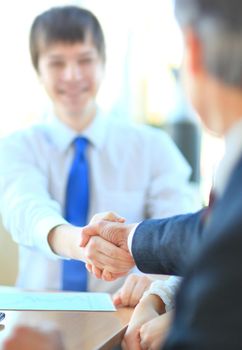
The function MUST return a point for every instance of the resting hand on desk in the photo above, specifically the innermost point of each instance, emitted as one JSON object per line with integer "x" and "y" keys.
{"x": 116, "y": 234}
{"x": 148, "y": 325}
{"x": 153, "y": 333}
{"x": 148, "y": 308}
{"x": 26, "y": 338}
{"x": 132, "y": 290}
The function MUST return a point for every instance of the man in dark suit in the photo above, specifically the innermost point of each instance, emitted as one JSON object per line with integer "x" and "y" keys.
{"x": 206, "y": 247}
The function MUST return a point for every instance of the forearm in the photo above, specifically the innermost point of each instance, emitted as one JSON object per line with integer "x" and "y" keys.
{"x": 28, "y": 212}
{"x": 29, "y": 223}
{"x": 64, "y": 240}
{"x": 164, "y": 246}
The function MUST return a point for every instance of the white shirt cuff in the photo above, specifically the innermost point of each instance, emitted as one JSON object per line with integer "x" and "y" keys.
{"x": 130, "y": 238}
{"x": 165, "y": 289}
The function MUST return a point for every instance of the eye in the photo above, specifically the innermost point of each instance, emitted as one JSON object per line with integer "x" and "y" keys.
{"x": 86, "y": 61}
{"x": 56, "y": 64}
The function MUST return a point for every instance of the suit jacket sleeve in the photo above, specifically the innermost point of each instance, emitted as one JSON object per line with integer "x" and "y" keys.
{"x": 164, "y": 246}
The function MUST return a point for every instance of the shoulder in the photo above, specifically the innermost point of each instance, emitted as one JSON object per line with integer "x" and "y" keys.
{"x": 131, "y": 132}
{"x": 148, "y": 142}
{"x": 25, "y": 139}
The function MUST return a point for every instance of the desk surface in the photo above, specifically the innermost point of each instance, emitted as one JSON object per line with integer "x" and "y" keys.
{"x": 81, "y": 330}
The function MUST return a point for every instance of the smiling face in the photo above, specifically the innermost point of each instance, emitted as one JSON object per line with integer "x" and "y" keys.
{"x": 71, "y": 74}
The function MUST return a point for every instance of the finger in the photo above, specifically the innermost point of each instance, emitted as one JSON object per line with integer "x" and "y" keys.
{"x": 105, "y": 255}
{"x": 111, "y": 251}
{"x": 144, "y": 340}
{"x": 108, "y": 215}
{"x": 144, "y": 345}
{"x": 117, "y": 298}
{"x": 96, "y": 227}
{"x": 86, "y": 233}
{"x": 133, "y": 289}
{"x": 94, "y": 270}
{"x": 117, "y": 301}
{"x": 126, "y": 290}
{"x": 100, "y": 274}
{"x": 107, "y": 276}
{"x": 90, "y": 230}
{"x": 113, "y": 276}
{"x": 104, "y": 262}
{"x": 97, "y": 272}
{"x": 114, "y": 232}
{"x": 132, "y": 340}
{"x": 142, "y": 284}
{"x": 89, "y": 267}
{"x": 114, "y": 217}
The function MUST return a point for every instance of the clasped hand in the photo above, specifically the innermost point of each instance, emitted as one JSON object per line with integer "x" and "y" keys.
{"x": 106, "y": 251}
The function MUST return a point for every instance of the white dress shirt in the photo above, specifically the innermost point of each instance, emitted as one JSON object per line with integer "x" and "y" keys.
{"x": 233, "y": 151}
{"x": 134, "y": 170}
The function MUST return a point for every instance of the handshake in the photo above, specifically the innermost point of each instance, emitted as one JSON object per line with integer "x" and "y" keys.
{"x": 105, "y": 246}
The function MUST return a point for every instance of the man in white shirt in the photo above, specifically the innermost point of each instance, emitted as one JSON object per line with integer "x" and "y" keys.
{"x": 135, "y": 171}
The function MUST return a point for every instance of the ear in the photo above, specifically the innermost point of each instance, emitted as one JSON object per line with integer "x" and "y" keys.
{"x": 193, "y": 52}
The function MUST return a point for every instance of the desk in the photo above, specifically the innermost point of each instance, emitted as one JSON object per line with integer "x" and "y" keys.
{"x": 81, "y": 330}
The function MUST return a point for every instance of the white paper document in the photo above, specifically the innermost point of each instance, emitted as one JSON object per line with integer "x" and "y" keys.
{"x": 59, "y": 301}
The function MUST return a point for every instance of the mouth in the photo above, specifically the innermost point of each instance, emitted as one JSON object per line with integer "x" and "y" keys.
{"x": 73, "y": 92}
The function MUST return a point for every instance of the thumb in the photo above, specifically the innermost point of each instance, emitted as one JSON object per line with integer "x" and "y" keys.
{"x": 108, "y": 216}
{"x": 86, "y": 233}
{"x": 117, "y": 299}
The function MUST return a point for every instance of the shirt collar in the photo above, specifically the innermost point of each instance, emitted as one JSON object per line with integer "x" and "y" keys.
{"x": 233, "y": 151}
{"x": 63, "y": 136}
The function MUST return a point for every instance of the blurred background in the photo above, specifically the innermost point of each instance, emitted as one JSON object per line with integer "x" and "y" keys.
{"x": 142, "y": 84}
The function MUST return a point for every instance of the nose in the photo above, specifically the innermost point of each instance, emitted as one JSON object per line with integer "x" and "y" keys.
{"x": 72, "y": 72}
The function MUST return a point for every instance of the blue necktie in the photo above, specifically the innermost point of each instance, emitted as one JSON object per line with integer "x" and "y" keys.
{"x": 74, "y": 273}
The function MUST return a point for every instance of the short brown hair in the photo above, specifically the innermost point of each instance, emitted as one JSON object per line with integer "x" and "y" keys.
{"x": 69, "y": 24}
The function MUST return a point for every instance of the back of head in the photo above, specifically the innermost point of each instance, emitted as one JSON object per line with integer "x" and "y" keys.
{"x": 218, "y": 24}
{"x": 68, "y": 24}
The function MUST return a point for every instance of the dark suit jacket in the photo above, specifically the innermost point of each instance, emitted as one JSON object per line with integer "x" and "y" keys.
{"x": 209, "y": 303}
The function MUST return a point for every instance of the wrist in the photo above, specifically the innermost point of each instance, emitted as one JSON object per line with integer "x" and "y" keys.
{"x": 155, "y": 302}
{"x": 64, "y": 241}
{"x": 55, "y": 240}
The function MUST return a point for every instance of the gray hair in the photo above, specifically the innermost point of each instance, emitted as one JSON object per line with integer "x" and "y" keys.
{"x": 218, "y": 23}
